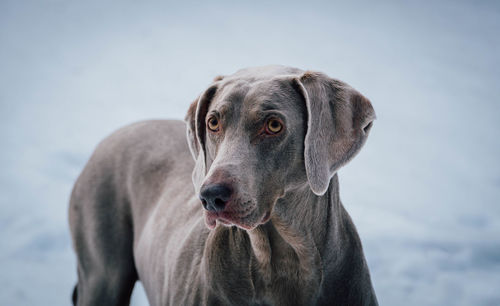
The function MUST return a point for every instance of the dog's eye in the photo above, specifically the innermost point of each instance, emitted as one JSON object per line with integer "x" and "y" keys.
{"x": 273, "y": 126}
{"x": 213, "y": 124}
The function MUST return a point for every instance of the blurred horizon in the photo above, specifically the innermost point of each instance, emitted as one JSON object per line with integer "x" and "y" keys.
{"x": 424, "y": 192}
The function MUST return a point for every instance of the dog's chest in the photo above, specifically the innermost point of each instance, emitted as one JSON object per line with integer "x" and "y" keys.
{"x": 283, "y": 280}
{"x": 237, "y": 276}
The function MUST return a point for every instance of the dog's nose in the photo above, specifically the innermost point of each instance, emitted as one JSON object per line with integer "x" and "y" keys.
{"x": 215, "y": 197}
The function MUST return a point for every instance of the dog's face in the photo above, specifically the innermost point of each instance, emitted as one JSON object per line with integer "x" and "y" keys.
{"x": 263, "y": 131}
{"x": 254, "y": 140}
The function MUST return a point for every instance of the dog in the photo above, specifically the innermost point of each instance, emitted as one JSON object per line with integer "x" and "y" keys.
{"x": 245, "y": 212}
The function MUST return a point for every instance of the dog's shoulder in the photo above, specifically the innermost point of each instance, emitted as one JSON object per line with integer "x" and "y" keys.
{"x": 144, "y": 139}
{"x": 146, "y": 151}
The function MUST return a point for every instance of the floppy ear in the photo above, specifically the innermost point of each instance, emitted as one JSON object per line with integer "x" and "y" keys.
{"x": 338, "y": 122}
{"x": 195, "y": 119}
{"x": 194, "y": 146}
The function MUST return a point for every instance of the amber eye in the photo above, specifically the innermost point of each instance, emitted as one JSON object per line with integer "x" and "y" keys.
{"x": 273, "y": 126}
{"x": 213, "y": 124}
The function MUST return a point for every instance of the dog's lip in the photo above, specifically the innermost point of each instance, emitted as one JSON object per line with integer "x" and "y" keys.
{"x": 233, "y": 218}
{"x": 266, "y": 217}
{"x": 210, "y": 220}
{"x": 227, "y": 218}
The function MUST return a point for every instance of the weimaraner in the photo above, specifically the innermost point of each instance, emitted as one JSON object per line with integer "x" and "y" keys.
{"x": 263, "y": 225}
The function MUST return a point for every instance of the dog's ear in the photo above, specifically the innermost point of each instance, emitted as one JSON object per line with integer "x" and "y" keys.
{"x": 338, "y": 122}
{"x": 194, "y": 146}
{"x": 195, "y": 119}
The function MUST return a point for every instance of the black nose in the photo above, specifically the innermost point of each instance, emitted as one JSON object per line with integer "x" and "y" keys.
{"x": 214, "y": 197}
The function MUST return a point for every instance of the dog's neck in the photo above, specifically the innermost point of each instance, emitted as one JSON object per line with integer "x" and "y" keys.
{"x": 289, "y": 251}
{"x": 291, "y": 247}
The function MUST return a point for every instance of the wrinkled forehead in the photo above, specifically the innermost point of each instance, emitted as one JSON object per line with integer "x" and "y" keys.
{"x": 244, "y": 99}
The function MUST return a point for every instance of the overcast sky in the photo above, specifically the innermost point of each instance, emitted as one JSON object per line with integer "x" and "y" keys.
{"x": 424, "y": 192}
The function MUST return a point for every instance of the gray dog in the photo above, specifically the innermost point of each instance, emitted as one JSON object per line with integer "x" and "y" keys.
{"x": 263, "y": 225}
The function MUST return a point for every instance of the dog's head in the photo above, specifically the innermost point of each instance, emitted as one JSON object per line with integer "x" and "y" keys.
{"x": 263, "y": 131}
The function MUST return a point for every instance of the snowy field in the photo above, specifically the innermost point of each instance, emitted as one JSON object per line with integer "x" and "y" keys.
{"x": 424, "y": 192}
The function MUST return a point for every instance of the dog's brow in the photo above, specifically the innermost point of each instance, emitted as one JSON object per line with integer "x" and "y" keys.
{"x": 259, "y": 110}
{"x": 267, "y": 106}
{"x": 223, "y": 109}
{"x": 227, "y": 101}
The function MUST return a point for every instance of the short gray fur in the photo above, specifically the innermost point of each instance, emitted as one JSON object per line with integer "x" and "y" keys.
{"x": 135, "y": 215}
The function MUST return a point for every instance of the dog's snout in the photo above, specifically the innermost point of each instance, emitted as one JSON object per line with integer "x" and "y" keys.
{"x": 215, "y": 197}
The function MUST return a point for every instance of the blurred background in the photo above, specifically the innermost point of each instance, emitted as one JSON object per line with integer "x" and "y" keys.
{"x": 424, "y": 192}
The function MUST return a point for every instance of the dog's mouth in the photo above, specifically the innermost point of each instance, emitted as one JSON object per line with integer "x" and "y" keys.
{"x": 245, "y": 220}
